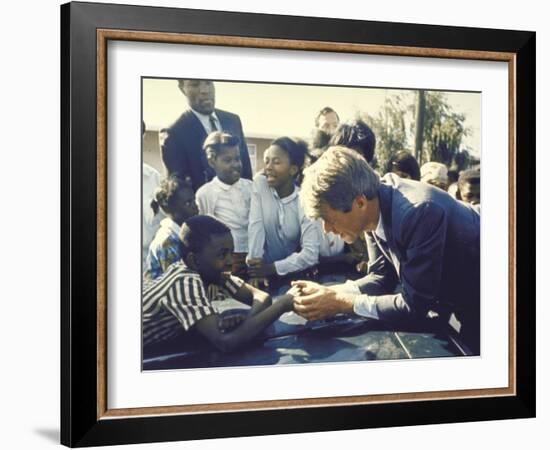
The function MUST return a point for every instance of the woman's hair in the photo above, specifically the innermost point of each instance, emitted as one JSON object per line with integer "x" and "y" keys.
{"x": 356, "y": 135}
{"x": 165, "y": 195}
{"x": 297, "y": 151}
{"x": 452, "y": 174}
{"x": 404, "y": 161}
{"x": 217, "y": 141}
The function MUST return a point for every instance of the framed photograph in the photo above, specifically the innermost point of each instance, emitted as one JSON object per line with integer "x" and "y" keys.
{"x": 166, "y": 112}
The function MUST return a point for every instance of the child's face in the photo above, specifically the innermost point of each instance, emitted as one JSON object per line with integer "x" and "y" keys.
{"x": 215, "y": 258}
{"x": 227, "y": 165}
{"x": 278, "y": 168}
{"x": 470, "y": 193}
{"x": 185, "y": 205}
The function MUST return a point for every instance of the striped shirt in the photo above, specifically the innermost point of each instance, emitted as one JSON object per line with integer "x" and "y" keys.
{"x": 177, "y": 300}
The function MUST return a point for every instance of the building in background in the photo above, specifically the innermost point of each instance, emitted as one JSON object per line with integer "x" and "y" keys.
{"x": 257, "y": 145}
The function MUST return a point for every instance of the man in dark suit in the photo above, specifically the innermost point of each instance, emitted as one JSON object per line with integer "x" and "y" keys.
{"x": 181, "y": 146}
{"x": 417, "y": 235}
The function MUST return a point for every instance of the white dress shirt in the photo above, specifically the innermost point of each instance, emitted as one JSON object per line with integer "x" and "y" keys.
{"x": 205, "y": 120}
{"x": 278, "y": 230}
{"x": 230, "y": 204}
{"x": 363, "y": 304}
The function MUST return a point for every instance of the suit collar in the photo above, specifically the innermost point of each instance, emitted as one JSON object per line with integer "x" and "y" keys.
{"x": 385, "y": 195}
{"x": 205, "y": 117}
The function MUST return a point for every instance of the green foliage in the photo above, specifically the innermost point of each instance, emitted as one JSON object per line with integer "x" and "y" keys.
{"x": 443, "y": 130}
{"x": 442, "y": 135}
{"x": 389, "y": 128}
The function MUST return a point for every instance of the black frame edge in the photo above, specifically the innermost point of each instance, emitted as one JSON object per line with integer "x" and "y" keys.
{"x": 79, "y": 231}
{"x": 525, "y": 222}
{"x": 65, "y": 335}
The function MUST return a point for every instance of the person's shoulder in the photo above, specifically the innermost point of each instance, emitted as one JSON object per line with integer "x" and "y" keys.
{"x": 406, "y": 194}
{"x": 222, "y": 114}
{"x": 206, "y": 189}
{"x": 150, "y": 171}
{"x": 175, "y": 271}
{"x": 246, "y": 183}
{"x": 183, "y": 120}
{"x": 161, "y": 241}
{"x": 178, "y": 271}
{"x": 259, "y": 183}
{"x": 259, "y": 179}
{"x": 170, "y": 242}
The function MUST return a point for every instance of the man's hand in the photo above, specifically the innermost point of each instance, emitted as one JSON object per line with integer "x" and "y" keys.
{"x": 316, "y": 301}
{"x": 257, "y": 268}
{"x": 362, "y": 267}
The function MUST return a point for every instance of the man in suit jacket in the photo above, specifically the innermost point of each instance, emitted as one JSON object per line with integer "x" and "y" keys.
{"x": 417, "y": 235}
{"x": 181, "y": 145}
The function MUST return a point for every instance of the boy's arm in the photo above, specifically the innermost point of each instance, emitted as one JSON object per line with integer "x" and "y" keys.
{"x": 257, "y": 299}
{"x": 250, "y": 328}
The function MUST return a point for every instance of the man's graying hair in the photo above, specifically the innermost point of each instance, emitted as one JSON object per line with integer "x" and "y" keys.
{"x": 338, "y": 177}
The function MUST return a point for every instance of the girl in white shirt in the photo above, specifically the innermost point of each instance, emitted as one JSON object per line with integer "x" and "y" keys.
{"x": 227, "y": 196}
{"x": 282, "y": 241}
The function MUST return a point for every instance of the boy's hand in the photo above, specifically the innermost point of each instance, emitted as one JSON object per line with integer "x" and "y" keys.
{"x": 230, "y": 322}
{"x": 258, "y": 283}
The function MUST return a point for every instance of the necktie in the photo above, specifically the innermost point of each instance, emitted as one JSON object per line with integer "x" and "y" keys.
{"x": 213, "y": 126}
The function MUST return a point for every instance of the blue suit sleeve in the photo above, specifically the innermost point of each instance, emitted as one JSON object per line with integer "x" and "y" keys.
{"x": 381, "y": 276}
{"x": 174, "y": 156}
{"x": 245, "y": 157}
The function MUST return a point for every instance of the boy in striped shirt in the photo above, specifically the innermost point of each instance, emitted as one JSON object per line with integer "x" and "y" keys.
{"x": 181, "y": 298}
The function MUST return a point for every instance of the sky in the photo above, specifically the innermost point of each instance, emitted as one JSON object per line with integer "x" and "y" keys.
{"x": 274, "y": 110}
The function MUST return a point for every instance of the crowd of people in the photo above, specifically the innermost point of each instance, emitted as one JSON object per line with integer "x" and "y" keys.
{"x": 402, "y": 246}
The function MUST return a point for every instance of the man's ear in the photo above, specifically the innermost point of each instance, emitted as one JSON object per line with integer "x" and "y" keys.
{"x": 191, "y": 261}
{"x": 210, "y": 159}
{"x": 181, "y": 86}
{"x": 360, "y": 202}
{"x": 294, "y": 169}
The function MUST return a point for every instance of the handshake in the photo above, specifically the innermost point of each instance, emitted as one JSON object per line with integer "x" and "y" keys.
{"x": 314, "y": 301}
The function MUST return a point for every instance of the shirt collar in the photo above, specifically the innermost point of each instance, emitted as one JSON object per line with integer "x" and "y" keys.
{"x": 289, "y": 198}
{"x": 171, "y": 225}
{"x": 205, "y": 117}
{"x": 223, "y": 185}
{"x": 380, "y": 229}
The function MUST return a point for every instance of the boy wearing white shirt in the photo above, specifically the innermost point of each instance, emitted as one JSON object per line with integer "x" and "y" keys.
{"x": 227, "y": 196}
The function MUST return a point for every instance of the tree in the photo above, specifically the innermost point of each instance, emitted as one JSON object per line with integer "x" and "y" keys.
{"x": 441, "y": 137}
{"x": 443, "y": 130}
{"x": 389, "y": 128}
